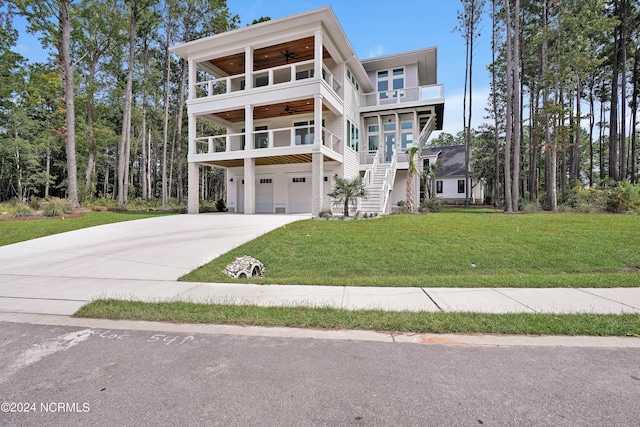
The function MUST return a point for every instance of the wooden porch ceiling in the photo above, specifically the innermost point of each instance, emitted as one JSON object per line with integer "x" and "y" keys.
{"x": 266, "y": 161}
{"x": 270, "y": 56}
{"x": 283, "y": 109}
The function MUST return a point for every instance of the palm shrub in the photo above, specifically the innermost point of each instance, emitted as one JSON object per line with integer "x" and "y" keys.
{"x": 347, "y": 191}
{"x": 411, "y": 171}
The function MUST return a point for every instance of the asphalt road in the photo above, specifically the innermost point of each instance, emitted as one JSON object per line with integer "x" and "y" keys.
{"x": 68, "y": 376}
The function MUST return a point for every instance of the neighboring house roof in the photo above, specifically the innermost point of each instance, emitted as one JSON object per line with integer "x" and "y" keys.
{"x": 452, "y": 159}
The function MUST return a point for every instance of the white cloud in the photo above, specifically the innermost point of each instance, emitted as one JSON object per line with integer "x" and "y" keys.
{"x": 376, "y": 51}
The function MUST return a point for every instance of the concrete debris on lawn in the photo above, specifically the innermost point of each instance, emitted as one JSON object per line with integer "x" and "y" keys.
{"x": 244, "y": 267}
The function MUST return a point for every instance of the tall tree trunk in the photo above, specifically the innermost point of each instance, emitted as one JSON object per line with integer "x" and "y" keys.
{"x": 91, "y": 143}
{"x": 592, "y": 121}
{"x": 47, "y": 183}
{"x": 515, "y": 192}
{"x": 550, "y": 148}
{"x": 613, "y": 114}
{"x": 601, "y": 137}
{"x": 534, "y": 150}
{"x": 165, "y": 127}
{"x": 67, "y": 76}
{"x": 467, "y": 85}
{"x": 574, "y": 155}
{"x": 634, "y": 115}
{"x": 125, "y": 141}
{"x": 623, "y": 92}
{"x": 178, "y": 133}
{"x": 508, "y": 200}
{"x": 143, "y": 134}
{"x": 496, "y": 120}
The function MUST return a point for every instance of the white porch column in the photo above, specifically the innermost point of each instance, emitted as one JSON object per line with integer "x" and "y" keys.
{"x": 317, "y": 119}
{"x": 398, "y": 134}
{"x": 192, "y": 79}
{"x": 193, "y": 171}
{"x": 248, "y": 127}
{"x": 249, "y": 186}
{"x": 317, "y": 183}
{"x": 193, "y": 195}
{"x": 317, "y": 53}
{"x": 248, "y": 67}
{"x": 317, "y": 159}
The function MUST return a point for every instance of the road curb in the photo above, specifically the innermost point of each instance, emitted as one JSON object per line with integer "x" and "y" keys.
{"x": 348, "y": 335}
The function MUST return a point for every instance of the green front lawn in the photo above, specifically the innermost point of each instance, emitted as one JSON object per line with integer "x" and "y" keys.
{"x": 457, "y": 248}
{"x": 20, "y": 230}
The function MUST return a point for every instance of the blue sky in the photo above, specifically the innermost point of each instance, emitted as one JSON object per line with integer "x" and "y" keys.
{"x": 381, "y": 28}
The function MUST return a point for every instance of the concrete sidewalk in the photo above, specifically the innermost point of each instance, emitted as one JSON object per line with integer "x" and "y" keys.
{"x": 65, "y": 295}
{"x": 142, "y": 260}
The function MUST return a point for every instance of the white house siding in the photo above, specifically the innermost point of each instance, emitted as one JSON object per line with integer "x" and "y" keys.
{"x": 450, "y": 190}
{"x": 411, "y": 81}
{"x": 351, "y": 166}
{"x": 399, "y": 187}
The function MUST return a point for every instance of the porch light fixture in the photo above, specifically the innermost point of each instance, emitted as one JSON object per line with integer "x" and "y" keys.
{"x": 230, "y": 179}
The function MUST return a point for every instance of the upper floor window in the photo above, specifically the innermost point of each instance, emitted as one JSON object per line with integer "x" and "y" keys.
{"x": 353, "y": 135}
{"x": 407, "y": 134}
{"x": 352, "y": 79}
{"x": 374, "y": 137}
{"x": 391, "y": 83}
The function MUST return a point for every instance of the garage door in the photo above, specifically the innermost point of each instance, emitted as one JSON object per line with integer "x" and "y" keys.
{"x": 264, "y": 195}
{"x": 299, "y": 194}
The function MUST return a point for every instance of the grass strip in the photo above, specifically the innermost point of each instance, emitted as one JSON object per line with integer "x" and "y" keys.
{"x": 375, "y": 320}
{"x": 20, "y": 231}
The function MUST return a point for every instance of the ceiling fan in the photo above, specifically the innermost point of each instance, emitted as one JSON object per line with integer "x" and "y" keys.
{"x": 288, "y": 55}
{"x": 288, "y": 110}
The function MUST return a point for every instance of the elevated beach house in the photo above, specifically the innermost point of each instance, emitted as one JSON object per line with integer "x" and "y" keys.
{"x": 294, "y": 107}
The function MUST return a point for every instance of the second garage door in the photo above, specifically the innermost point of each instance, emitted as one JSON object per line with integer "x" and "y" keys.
{"x": 299, "y": 194}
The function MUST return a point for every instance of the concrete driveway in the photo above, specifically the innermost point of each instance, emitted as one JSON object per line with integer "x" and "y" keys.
{"x": 162, "y": 248}
{"x": 75, "y": 267}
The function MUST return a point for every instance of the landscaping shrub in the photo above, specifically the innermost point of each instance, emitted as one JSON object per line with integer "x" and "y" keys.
{"x": 625, "y": 197}
{"x": 34, "y": 203}
{"x": 531, "y": 207}
{"x": 430, "y": 205}
{"x": 221, "y": 205}
{"x": 402, "y": 207}
{"x": 325, "y": 214}
{"x": 56, "y": 207}
{"x": 22, "y": 211}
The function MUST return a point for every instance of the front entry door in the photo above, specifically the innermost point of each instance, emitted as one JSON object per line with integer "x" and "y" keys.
{"x": 389, "y": 143}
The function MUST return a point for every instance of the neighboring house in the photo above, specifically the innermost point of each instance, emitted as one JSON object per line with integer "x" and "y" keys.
{"x": 449, "y": 181}
{"x": 296, "y": 107}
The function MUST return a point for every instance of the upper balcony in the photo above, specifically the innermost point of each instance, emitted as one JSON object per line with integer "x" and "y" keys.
{"x": 407, "y": 97}
{"x": 255, "y": 70}
{"x": 265, "y": 78}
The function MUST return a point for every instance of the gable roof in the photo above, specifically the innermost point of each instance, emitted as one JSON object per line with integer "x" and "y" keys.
{"x": 452, "y": 159}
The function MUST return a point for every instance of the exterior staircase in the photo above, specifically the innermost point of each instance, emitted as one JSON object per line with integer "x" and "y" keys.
{"x": 379, "y": 183}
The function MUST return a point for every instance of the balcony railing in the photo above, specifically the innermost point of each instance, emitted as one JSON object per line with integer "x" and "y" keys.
{"x": 272, "y": 76}
{"x": 272, "y": 138}
{"x": 400, "y": 96}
